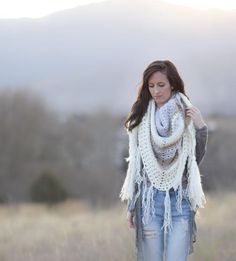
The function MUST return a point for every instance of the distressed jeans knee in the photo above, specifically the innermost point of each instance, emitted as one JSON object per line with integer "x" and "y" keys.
{"x": 150, "y": 233}
{"x": 153, "y": 241}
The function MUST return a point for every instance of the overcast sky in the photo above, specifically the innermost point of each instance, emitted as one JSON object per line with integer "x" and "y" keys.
{"x": 12, "y": 9}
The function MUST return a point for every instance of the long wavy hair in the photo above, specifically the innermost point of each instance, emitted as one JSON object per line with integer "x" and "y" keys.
{"x": 139, "y": 108}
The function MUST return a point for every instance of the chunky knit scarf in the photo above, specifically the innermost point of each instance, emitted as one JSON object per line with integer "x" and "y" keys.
{"x": 163, "y": 131}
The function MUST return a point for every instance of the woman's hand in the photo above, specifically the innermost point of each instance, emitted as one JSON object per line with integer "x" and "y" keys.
{"x": 131, "y": 219}
{"x": 196, "y": 116}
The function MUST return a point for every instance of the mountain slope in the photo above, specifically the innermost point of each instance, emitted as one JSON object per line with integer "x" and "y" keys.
{"x": 95, "y": 55}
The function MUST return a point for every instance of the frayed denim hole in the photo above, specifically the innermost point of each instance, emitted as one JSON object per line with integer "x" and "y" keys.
{"x": 151, "y": 233}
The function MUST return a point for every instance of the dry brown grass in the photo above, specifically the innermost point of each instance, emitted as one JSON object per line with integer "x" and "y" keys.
{"x": 75, "y": 231}
{"x": 217, "y": 229}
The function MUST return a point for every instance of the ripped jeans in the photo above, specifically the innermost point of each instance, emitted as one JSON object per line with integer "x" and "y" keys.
{"x": 174, "y": 246}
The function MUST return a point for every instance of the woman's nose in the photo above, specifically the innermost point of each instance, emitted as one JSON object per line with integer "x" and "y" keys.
{"x": 156, "y": 89}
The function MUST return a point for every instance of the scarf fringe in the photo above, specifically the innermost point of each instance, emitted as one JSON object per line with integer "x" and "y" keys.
{"x": 194, "y": 187}
{"x": 147, "y": 202}
{"x": 179, "y": 199}
{"x": 148, "y": 205}
{"x": 134, "y": 166}
{"x": 167, "y": 215}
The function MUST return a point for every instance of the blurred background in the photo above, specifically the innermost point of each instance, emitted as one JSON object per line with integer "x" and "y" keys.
{"x": 69, "y": 74}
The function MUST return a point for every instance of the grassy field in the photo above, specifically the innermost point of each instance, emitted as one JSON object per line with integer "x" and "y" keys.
{"x": 74, "y": 231}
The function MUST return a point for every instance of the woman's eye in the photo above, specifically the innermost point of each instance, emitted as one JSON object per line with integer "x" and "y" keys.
{"x": 151, "y": 86}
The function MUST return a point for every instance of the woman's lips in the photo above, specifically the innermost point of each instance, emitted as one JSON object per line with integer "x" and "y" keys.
{"x": 158, "y": 96}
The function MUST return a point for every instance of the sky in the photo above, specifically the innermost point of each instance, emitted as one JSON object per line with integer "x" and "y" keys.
{"x": 205, "y": 4}
{"x": 12, "y": 9}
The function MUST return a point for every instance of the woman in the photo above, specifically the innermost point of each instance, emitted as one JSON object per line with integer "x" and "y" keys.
{"x": 167, "y": 142}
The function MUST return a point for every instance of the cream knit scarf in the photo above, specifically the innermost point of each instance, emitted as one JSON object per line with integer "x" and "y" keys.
{"x": 144, "y": 168}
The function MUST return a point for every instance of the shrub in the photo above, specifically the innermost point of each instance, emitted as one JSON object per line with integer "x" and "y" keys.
{"x": 47, "y": 189}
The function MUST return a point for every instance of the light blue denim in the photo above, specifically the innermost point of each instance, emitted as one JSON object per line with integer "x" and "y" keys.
{"x": 174, "y": 246}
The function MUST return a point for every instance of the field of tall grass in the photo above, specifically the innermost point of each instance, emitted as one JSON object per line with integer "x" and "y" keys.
{"x": 75, "y": 231}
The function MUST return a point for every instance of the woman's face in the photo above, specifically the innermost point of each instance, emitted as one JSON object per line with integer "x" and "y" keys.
{"x": 159, "y": 88}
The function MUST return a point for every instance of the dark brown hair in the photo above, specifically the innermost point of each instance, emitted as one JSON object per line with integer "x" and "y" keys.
{"x": 140, "y": 106}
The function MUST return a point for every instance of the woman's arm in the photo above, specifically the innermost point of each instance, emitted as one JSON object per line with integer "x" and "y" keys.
{"x": 131, "y": 213}
{"x": 131, "y": 208}
{"x": 201, "y": 143}
{"x": 201, "y": 132}
{"x": 131, "y": 202}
